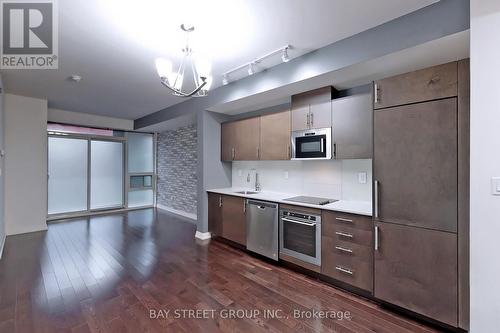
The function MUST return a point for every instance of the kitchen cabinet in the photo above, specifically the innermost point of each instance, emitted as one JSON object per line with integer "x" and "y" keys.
{"x": 416, "y": 268}
{"x": 312, "y": 109}
{"x": 240, "y": 140}
{"x": 215, "y": 214}
{"x": 233, "y": 219}
{"x": 415, "y": 164}
{"x": 352, "y": 127}
{"x": 418, "y": 86}
{"x": 275, "y": 136}
{"x": 310, "y": 116}
{"x": 421, "y": 155}
{"x": 228, "y": 140}
{"x": 346, "y": 249}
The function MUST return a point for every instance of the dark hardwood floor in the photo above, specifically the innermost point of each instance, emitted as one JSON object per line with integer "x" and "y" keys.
{"x": 117, "y": 273}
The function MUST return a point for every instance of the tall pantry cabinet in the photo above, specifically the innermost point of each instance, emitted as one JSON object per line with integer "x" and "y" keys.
{"x": 421, "y": 191}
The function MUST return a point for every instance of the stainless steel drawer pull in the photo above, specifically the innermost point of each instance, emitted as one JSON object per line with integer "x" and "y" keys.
{"x": 376, "y": 238}
{"x": 344, "y": 270}
{"x": 343, "y": 234}
{"x": 220, "y": 200}
{"x": 343, "y": 219}
{"x": 375, "y": 199}
{"x": 343, "y": 249}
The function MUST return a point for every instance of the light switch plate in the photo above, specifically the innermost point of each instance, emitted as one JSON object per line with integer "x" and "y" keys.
{"x": 362, "y": 177}
{"x": 495, "y": 186}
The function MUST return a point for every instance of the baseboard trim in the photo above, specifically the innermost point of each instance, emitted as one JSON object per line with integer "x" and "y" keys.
{"x": 177, "y": 212}
{"x": 203, "y": 235}
{"x": 2, "y": 244}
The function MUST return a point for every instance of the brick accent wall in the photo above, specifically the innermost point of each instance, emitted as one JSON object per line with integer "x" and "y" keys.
{"x": 177, "y": 159}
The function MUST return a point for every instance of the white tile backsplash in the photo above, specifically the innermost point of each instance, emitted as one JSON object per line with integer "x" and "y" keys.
{"x": 324, "y": 178}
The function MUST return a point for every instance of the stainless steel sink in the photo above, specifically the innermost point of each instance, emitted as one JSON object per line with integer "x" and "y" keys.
{"x": 246, "y": 192}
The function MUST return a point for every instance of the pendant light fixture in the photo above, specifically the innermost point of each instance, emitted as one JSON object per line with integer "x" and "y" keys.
{"x": 175, "y": 80}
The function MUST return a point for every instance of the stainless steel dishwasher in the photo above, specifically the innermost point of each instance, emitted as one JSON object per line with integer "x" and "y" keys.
{"x": 262, "y": 228}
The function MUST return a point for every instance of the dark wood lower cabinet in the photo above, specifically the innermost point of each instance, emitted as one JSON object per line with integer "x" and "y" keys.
{"x": 416, "y": 269}
{"x": 346, "y": 249}
{"x": 215, "y": 214}
{"x": 226, "y": 217}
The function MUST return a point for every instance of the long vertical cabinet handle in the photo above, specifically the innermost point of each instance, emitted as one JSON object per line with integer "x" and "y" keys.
{"x": 312, "y": 119}
{"x": 375, "y": 94}
{"x": 308, "y": 119}
{"x": 375, "y": 201}
{"x": 244, "y": 206}
{"x": 232, "y": 153}
{"x": 220, "y": 200}
{"x": 334, "y": 150}
{"x": 376, "y": 238}
{"x": 289, "y": 152}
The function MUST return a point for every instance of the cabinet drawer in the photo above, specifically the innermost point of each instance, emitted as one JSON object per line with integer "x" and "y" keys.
{"x": 359, "y": 227}
{"x": 423, "y": 85}
{"x": 354, "y": 268}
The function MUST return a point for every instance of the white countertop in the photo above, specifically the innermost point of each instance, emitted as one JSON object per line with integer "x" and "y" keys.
{"x": 346, "y": 206}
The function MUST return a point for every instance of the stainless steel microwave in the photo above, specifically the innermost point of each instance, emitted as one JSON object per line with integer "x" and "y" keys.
{"x": 312, "y": 144}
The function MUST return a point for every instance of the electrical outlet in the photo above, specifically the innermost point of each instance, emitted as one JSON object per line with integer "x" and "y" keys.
{"x": 362, "y": 177}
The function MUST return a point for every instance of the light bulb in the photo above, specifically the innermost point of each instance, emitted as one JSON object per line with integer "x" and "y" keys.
{"x": 164, "y": 68}
{"x": 225, "y": 80}
{"x": 284, "y": 56}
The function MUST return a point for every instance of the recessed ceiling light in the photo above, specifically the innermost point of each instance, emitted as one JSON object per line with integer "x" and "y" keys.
{"x": 75, "y": 78}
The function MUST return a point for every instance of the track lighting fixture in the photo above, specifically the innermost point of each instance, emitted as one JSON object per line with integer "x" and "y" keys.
{"x": 284, "y": 55}
{"x": 250, "y": 69}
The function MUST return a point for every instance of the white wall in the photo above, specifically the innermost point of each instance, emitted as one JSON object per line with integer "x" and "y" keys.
{"x": 329, "y": 178}
{"x": 485, "y": 163}
{"x": 2, "y": 171}
{"x": 90, "y": 120}
{"x": 25, "y": 164}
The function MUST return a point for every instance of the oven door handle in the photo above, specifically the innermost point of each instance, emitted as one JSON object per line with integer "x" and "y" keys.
{"x": 298, "y": 222}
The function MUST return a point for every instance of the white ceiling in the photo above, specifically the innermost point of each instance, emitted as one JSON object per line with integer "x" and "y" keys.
{"x": 112, "y": 44}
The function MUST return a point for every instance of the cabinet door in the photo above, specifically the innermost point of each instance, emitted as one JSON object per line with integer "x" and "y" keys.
{"x": 228, "y": 141}
{"x": 300, "y": 118}
{"x": 418, "y": 86}
{"x": 275, "y": 136}
{"x": 352, "y": 127}
{"x": 215, "y": 214}
{"x": 233, "y": 219}
{"x": 247, "y": 139}
{"x": 415, "y": 163}
{"x": 416, "y": 269}
{"x": 321, "y": 115}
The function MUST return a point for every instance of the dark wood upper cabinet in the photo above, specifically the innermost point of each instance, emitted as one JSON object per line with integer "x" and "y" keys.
{"x": 275, "y": 136}
{"x": 312, "y": 109}
{"x": 215, "y": 214}
{"x": 353, "y": 127}
{"x": 418, "y": 86}
{"x": 241, "y": 140}
{"x": 416, "y": 269}
{"x": 415, "y": 164}
{"x": 228, "y": 141}
{"x": 233, "y": 219}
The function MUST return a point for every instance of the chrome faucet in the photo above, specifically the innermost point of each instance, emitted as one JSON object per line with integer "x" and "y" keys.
{"x": 257, "y": 184}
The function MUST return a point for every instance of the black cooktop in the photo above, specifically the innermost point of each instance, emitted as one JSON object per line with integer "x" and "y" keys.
{"x": 311, "y": 200}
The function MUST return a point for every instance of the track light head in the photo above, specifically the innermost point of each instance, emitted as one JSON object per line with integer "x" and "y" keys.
{"x": 250, "y": 69}
{"x": 284, "y": 55}
{"x": 225, "y": 80}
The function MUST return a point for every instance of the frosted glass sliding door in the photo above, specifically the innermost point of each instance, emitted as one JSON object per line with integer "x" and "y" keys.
{"x": 106, "y": 174}
{"x": 67, "y": 181}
